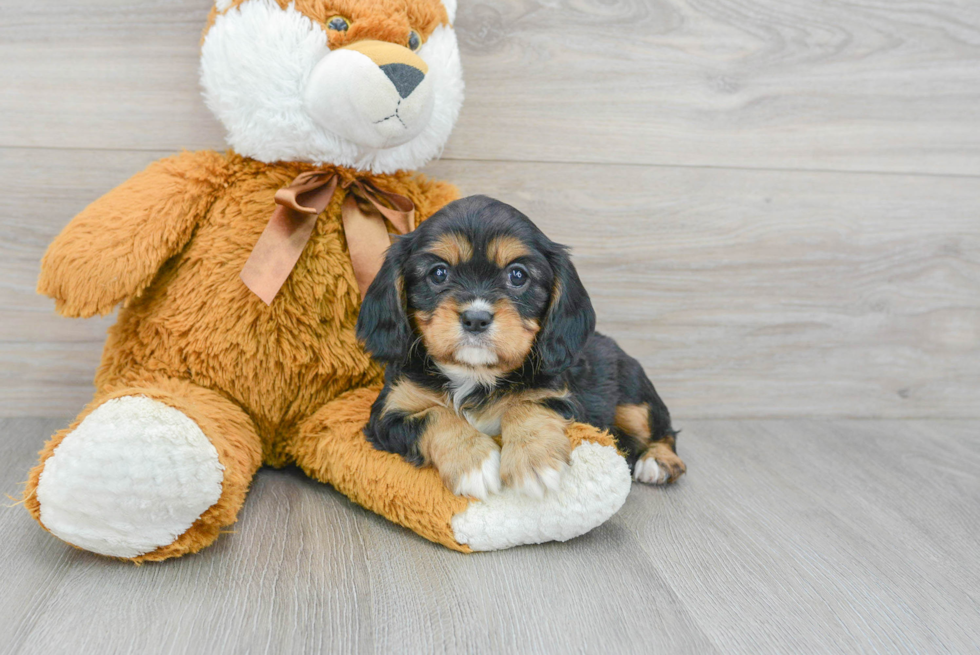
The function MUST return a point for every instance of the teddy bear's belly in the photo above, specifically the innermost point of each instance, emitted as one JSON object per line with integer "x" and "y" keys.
{"x": 199, "y": 322}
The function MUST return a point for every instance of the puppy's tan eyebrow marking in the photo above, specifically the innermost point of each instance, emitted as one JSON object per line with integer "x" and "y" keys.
{"x": 453, "y": 248}
{"x": 503, "y": 250}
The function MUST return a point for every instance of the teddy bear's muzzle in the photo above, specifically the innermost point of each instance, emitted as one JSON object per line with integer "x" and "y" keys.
{"x": 374, "y": 93}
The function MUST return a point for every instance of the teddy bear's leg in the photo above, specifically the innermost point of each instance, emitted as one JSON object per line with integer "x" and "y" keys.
{"x": 331, "y": 447}
{"x": 146, "y": 472}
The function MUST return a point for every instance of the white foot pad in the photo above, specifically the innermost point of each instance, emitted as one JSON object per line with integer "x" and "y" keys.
{"x": 133, "y": 476}
{"x": 593, "y": 488}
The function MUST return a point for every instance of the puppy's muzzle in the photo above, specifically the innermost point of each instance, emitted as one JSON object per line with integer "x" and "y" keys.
{"x": 374, "y": 93}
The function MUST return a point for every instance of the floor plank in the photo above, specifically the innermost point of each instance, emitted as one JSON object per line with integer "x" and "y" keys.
{"x": 848, "y": 85}
{"x": 785, "y": 536}
{"x": 744, "y": 293}
{"x": 819, "y": 524}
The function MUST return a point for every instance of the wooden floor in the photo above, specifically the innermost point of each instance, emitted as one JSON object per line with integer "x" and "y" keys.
{"x": 787, "y": 537}
{"x": 776, "y": 207}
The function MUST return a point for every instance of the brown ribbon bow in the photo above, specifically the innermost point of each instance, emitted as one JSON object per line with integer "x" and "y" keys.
{"x": 289, "y": 230}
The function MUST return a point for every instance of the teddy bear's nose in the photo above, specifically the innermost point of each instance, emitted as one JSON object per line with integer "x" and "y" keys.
{"x": 404, "y": 68}
{"x": 404, "y": 77}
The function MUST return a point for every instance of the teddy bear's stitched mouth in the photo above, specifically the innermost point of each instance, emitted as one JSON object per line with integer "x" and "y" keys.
{"x": 395, "y": 115}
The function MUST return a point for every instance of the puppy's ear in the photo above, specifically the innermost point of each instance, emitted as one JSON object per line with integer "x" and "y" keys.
{"x": 570, "y": 319}
{"x": 383, "y": 322}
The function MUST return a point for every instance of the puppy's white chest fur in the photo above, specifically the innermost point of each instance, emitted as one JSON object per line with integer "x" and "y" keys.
{"x": 463, "y": 381}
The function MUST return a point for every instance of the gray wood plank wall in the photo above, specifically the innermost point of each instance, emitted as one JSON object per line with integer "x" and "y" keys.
{"x": 775, "y": 205}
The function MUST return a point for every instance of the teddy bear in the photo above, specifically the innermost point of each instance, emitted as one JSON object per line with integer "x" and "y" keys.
{"x": 239, "y": 277}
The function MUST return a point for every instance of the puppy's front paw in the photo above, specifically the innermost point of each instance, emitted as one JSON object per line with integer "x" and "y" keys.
{"x": 479, "y": 481}
{"x": 467, "y": 461}
{"x": 536, "y": 465}
{"x": 659, "y": 465}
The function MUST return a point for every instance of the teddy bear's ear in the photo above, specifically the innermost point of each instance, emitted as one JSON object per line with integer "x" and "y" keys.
{"x": 450, "y": 6}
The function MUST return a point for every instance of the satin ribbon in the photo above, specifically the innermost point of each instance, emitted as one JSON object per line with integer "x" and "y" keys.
{"x": 291, "y": 226}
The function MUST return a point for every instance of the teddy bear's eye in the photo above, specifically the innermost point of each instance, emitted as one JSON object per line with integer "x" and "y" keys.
{"x": 414, "y": 41}
{"x": 338, "y": 23}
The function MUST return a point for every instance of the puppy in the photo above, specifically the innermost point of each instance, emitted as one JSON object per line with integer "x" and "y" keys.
{"x": 487, "y": 331}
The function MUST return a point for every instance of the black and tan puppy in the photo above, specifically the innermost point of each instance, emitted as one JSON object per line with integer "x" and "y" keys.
{"x": 487, "y": 331}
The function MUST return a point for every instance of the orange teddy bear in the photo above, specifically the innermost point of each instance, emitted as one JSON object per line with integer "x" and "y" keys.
{"x": 235, "y": 343}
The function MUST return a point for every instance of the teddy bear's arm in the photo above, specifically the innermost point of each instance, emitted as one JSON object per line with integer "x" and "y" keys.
{"x": 113, "y": 249}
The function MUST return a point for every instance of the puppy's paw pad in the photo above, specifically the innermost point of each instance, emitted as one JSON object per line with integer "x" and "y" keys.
{"x": 551, "y": 478}
{"x": 662, "y": 469}
{"x": 480, "y": 481}
{"x": 542, "y": 481}
{"x": 647, "y": 471}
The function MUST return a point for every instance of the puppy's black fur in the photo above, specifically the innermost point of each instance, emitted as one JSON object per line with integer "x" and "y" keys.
{"x": 572, "y": 371}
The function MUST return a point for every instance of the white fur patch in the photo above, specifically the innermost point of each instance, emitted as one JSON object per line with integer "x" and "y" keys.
{"x": 475, "y": 356}
{"x": 479, "y": 305}
{"x": 541, "y": 482}
{"x": 256, "y": 63}
{"x": 221, "y": 5}
{"x": 593, "y": 489}
{"x": 133, "y": 476}
{"x": 482, "y": 481}
{"x": 464, "y": 380}
{"x": 648, "y": 471}
{"x": 450, "y": 6}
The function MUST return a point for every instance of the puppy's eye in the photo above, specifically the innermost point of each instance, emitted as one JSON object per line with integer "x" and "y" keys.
{"x": 439, "y": 274}
{"x": 338, "y": 23}
{"x": 414, "y": 41}
{"x": 517, "y": 276}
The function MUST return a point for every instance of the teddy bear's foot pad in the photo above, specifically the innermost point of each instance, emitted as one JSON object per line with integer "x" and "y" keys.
{"x": 132, "y": 477}
{"x": 594, "y": 487}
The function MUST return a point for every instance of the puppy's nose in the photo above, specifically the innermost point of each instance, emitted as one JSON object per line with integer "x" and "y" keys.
{"x": 476, "y": 321}
{"x": 404, "y": 77}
